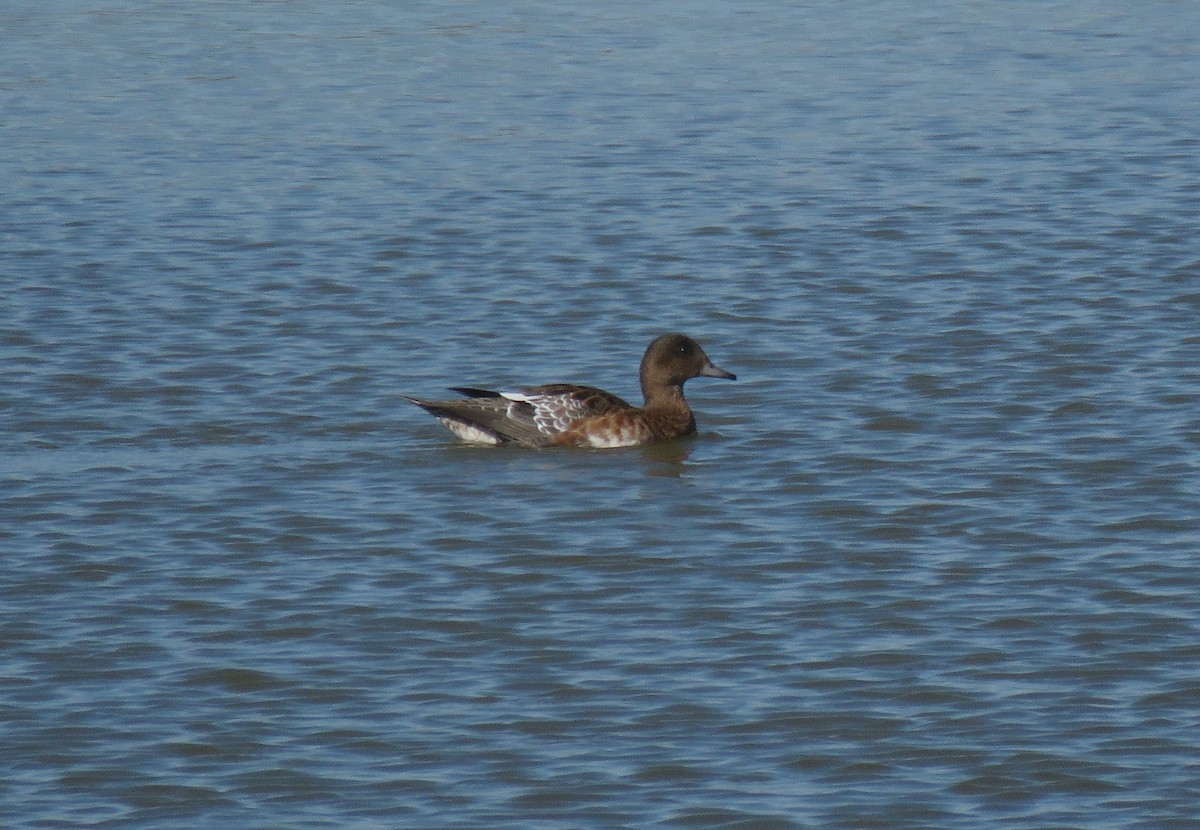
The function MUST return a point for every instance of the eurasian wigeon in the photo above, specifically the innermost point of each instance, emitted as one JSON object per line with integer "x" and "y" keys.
{"x": 563, "y": 414}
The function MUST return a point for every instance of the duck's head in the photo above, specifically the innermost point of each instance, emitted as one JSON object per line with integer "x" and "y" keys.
{"x": 673, "y": 359}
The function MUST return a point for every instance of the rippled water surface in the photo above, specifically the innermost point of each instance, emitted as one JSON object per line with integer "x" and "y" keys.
{"x": 932, "y": 561}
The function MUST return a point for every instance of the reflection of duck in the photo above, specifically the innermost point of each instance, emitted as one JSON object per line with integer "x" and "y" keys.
{"x": 566, "y": 415}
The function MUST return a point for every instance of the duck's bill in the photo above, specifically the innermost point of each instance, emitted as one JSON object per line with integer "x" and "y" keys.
{"x": 711, "y": 371}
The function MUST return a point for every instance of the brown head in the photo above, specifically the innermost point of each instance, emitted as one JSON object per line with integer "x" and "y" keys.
{"x": 671, "y": 360}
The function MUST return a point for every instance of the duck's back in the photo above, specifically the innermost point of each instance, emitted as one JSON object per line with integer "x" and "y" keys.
{"x": 581, "y": 401}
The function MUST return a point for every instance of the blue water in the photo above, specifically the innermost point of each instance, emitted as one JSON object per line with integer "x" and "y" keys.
{"x": 932, "y": 561}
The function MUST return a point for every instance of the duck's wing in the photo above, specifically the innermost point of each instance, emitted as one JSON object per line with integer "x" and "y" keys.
{"x": 531, "y": 415}
{"x": 554, "y": 407}
{"x": 486, "y": 418}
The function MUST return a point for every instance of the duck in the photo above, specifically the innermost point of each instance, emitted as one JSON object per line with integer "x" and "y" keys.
{"x": 570, "y": 415}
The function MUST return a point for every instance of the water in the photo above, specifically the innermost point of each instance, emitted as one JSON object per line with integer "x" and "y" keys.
{"x": 931, "y": 562}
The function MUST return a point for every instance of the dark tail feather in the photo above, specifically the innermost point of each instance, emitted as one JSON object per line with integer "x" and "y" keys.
{"x": 467, "y": 425}
{"x": 472, "y": 392}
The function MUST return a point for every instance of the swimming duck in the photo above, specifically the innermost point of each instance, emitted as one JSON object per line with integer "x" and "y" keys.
{"x": 567, "y": 415}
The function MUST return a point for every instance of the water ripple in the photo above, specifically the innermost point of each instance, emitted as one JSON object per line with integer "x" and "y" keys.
{"x": 927, "y": 563}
